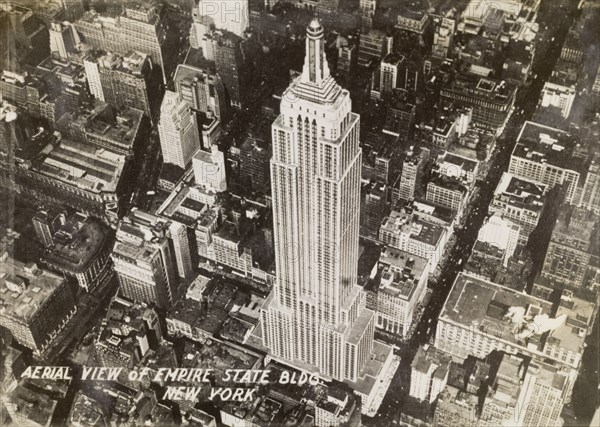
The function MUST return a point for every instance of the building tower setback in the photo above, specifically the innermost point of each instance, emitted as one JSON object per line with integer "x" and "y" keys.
{"x": 316, "y": 317}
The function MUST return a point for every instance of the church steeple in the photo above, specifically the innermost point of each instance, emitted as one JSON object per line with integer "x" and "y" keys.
{"x": 316, "y": 69}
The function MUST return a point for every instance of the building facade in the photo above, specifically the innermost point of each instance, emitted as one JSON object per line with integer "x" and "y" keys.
{"x": 144, "y": 260}
{"x": 178, "y": 131}
{"x": 315, "y": 317}
{"x": 36, "y": 304}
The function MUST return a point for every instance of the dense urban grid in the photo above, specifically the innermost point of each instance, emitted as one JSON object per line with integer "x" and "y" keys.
{"x": 390, "y": 208}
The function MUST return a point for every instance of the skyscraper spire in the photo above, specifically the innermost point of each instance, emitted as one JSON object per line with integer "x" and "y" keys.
{"x": 317, "y": 310}
{"x": 316, "y": 69}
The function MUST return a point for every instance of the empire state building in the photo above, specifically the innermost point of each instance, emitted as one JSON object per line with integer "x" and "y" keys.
{"x": 315, "y": 319}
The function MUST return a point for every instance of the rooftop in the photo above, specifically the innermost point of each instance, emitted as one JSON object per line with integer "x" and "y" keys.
{"x": 140, "y": 236}
{"x": 403, "y": 274}
{"x": 229, "y": 232}
{"x": 24, "y": 288}
{"x": 418, "y": 229}
{"x": 87, "y": 411}
{"x": 31, "y": 405}
{"x": 368, "y": 375}
{"x": 515, "y": 317}
{"x": 131, "y": 63}
{"x": 451, "y": 183}
{"x": 575, "y": 223}
{"x": 520, "y": 192}
{"x": 544, "y": 144}
{"x": 427, "y": 356}
{"x": 197, "y": 288}
{"x": 483, "y": 88}
{"x": 77, "y": 243}
{"x": 93, "y": 169}
{"x": 466, "y": 164}
{"x": 187, "y": 311}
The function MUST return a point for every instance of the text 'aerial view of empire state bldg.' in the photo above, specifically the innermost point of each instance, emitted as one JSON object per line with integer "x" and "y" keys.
{"x": 316, "y": 318}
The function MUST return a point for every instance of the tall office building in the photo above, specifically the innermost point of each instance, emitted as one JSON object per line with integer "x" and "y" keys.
{"x": 178, "y": 131}
{"x": 125, "y": 80}
{"x": 429, "y": 373}
{"x": 229, "y": 60}
{"x": 254, "y": 164}
{"x": 372, "y": 47}
{"x": 367, "y": 10}
{"x": 412, "y": 171}
{"x": 501, "y": 233}
{"x": 45, "y": 223}
{"x": 400, "y": 116}
{"x": 63, "y": 39}
{"x": 140, "y": 28}
{"x": 202, "y": 89}
{"x": 544, "y": 155}
{"x": 316, "y": 318}
{"x": 550, "y": 392}
{"x": 444, "y": 34}
{"x": 491, "y": 100}
{"x": 228, "y": 15}
{"x": 389, "y": 73}
{"x": 148, "y": 255}
{"x": 590, "y": 193}
{"x": 572, "y": 257}
{"x": 520, "y": 201}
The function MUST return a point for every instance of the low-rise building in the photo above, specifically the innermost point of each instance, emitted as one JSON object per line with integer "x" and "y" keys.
{"x": 417, "y": 236}
{"x": 480, "y": 316}
{"x": 402, "y": 284}
{"x": 448, "y": 192}
{"x": 36, "y": 304}
{"x": 544, "y": 155}
{"x": 500, "y": 233}
{"x": 81, "y": 251}
{"x": 129, "y": 331}
{"x": 429, "y": 373}
{"x": 520, "y": 201}
{"x": 572, "y": 257}
{"x": 491, "y": 100}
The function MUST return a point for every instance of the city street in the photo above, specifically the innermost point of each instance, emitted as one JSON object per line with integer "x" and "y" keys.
{"x": 559, "y": 21}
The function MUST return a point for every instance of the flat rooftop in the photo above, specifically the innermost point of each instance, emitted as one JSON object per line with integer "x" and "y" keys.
{"x": 544, "y": 144}
{"x": 25, "y": 288}
{"x": 187, "y": 311}
{"x": 359, "y": 327}
{"x": 35, "y": 407}
{"x": 229, "y": 232}
{"x": 483, "y": 88}
{"x": 87, "y": 411}
{"x": 182, "y": 206}
{"x": 197, "y": 288}
{"x": 419, "y": 229}
{"x": 81, "y": 165}
{"x": 77, "y": 243}
{"x": 516, "y": 317}
{"x": 466, "y": 164}
{"x": 371, "y": 370}
{"x": 451, "y": 183}
{"x": 470, "y": 299}
{"x": 576, "y": 224}
{"x": 520, "y": 192}
{"x": 579, "y": 317}
{"x": 404, "y": 273}
{"x": 428, "y": 355}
